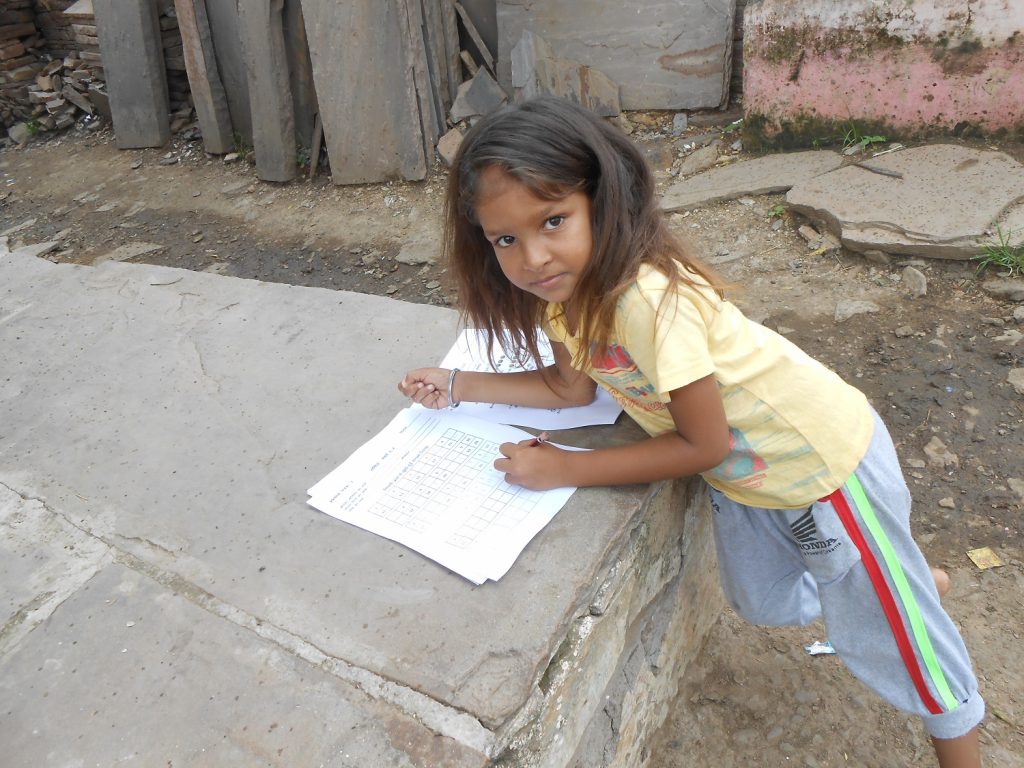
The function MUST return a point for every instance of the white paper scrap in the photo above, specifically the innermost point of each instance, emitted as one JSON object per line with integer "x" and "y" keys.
{"x": 469, "y": 353}
{"x": 427, "y": 481}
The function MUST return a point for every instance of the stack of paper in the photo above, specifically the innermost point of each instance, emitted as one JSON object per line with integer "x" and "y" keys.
{"x": 428, "y": 481}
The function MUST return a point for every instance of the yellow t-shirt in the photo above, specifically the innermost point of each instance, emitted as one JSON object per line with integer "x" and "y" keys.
{"x": 797, "y": 430}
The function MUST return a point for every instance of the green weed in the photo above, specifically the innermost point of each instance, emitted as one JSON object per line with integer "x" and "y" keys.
{"x": 241, "y": 146}
{"x": 735, "y": 125}
{"x": 776, "y": 210}
{"x": 852, "y": 137}
{"x": 1002, "y": 254}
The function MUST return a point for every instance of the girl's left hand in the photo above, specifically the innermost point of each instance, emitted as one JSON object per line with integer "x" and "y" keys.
{"x": 535, "y": 466}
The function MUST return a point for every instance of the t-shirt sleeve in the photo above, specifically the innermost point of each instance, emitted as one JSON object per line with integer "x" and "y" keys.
{"x": 668, "y": 339}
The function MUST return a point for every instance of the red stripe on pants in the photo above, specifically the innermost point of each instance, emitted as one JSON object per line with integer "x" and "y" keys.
{"x": 885, "y": 598}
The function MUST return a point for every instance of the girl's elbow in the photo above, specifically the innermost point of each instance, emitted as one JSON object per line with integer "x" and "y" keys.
{"x": 714, "y": 454}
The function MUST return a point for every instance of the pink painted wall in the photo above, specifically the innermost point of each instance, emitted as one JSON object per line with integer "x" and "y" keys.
{"x": 914, "y": 67}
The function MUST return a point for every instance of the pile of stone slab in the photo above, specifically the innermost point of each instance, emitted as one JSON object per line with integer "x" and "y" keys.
{"x": 20, "y": 58}
{"x": 63, "y": 90}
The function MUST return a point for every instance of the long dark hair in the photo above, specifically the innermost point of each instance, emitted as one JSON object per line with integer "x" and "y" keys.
{"x": 555, "y": 148}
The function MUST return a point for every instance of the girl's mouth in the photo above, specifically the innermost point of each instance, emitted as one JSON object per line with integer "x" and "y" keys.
{"x": 548, "y": 282}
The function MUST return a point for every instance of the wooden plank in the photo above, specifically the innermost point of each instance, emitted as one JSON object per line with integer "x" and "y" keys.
{"x": 478, "y": 41}
{"x": 261, "y": 25}
{"x": 208, "y": 94}
{"x": 371, "y": 121}
{"x": 430, "y": 118}
{"x": 452, "y": 45}
{"x": 436, "y": 54}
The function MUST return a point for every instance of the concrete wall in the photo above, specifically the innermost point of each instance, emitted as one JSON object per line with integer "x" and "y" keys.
{"x": 898, "y": 67}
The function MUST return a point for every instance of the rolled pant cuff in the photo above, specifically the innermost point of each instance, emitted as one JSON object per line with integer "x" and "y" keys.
{"x": 952, "y": 725}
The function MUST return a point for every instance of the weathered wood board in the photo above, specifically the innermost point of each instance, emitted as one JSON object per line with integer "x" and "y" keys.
{"x": 208, "y": 93}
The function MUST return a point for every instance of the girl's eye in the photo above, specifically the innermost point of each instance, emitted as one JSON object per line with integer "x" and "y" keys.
{"x": 554, "y": 222}
{"x": 504, "y": 241}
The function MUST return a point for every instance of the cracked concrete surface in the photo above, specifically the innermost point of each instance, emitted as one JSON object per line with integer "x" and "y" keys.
{"x": 170, "y": 597}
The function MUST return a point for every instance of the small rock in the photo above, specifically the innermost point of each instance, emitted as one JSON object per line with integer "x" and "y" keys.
{"x": 391, "y": 289}
{"x": 1005, "y": 289}
{"x": 621, "y": 122}
{"x": 168, "y": 161}
{"x": 746, "y": 201}
{"x": 903, "y": 332}
{"x": 1012, "y": 336}
{"x": 136, "y": 165}
{"x": 232, "y": 157}
{"x": 1018, "y": 315}
{"x": 777, "y": 225}
{"x": 448, "y": 145}
{"x": 1017, "y": 486}
{"x": 234, "y": 189}
{"x": 680, "y": 122}
{"x": 737, "y": 145}
{"x": 915, "y": 281}
{"x": 947, "y": 503}
{"x": 939, "y": 455}
{"x": 916, "y": 463}
{"x": 19, "y": 133}
{"x": 809, "y": 233}
{"x": 881, "y": 258}
{"x": 849, "y": 307}
{"x": 1016, "y": 379}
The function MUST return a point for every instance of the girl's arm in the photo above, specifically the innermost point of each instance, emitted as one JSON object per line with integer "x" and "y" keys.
{"x": 699, "y": 443}
{"x": 556, "y": 386}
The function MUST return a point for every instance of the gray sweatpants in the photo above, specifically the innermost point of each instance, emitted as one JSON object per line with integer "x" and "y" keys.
{"x": 851, "y": 558}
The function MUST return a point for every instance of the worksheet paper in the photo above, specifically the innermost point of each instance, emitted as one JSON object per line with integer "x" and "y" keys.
{"x": 427, "y": 481}
{"x": 469, "y": 353}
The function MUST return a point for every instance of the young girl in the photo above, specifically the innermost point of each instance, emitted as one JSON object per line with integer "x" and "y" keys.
{"x": 551, "y": 221}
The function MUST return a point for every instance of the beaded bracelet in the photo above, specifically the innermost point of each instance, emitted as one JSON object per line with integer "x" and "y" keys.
{"x": 452, "y": 402}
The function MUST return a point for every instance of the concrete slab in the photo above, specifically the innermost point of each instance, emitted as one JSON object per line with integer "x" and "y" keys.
{"x": 674, "y": 54}
{"x": 127, "y": 656}
{"x": 171, "y": 421}
{"x": 904, "y": 215}
{"x": 761, "y": 176}
{"x": 133, "y": 59}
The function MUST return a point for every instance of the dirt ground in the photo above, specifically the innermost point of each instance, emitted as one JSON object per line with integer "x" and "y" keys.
{"x": 934, "y": 366}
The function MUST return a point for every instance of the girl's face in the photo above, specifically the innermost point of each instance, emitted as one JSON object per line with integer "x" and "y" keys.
{"x": 542, "y": 246}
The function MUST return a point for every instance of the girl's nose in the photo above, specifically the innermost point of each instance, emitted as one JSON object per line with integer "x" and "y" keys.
{"x": 536, "y": 255}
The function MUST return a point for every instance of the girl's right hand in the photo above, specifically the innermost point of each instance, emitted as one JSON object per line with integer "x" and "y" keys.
{"x": 426, "y": 386}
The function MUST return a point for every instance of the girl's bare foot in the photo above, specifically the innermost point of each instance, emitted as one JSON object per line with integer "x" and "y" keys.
{"x": 941, "y": 581}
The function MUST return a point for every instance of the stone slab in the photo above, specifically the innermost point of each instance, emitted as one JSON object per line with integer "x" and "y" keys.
{"x": 479, "y": 95}
{"x": 672, "y": 54}
{"x": 906, "y": 215}
{"x": 371, "y": 122}
{"x": 760, "y": 176}
{"x": 261, "y": 27}
{"x": 537, "y": 71}
{"x": 177, "y": 418}
{"x": 130, "y": 669}
{"x": 130, "y": 43}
